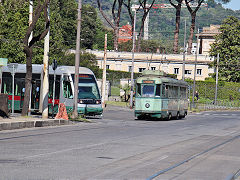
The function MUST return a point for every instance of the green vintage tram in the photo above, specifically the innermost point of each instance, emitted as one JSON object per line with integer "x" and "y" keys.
{"x": 159, "y": 96}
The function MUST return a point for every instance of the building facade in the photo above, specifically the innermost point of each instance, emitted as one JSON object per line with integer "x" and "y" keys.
{"x": 207, "y": 37}
{"x": 171, "y": 64}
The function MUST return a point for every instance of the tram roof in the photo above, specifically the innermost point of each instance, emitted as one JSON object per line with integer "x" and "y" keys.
{"x": 38, "y": 68}
{"x": 159, "y": 77}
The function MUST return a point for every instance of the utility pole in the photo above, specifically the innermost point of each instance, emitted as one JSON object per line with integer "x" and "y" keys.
{"x": 104, "y": 73}
{"x": 133, "y": 50}
{"x": 77, "y": 60}
{"x": 216, "y": 90}
{"x": 184, "y": 51}
{"x": 30, "y": 38}
{"x": 45, "y": 75}
{"x": 195, "y": 69}
{"x": 30, "y": 18}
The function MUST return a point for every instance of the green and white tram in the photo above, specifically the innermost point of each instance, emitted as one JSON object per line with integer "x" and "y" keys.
{"x": 159, "y": 96}
{"x": 89, "y": 99}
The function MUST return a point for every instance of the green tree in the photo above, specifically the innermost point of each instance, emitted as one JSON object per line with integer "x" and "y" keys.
{"x": 68, "y": 13}
{"x": 13, "y": 20}
{"x": 100, "y": 35}
{"x": 89, "y": 25}
{"x": 86, "y": 60}
{"x": 227, "y": 44}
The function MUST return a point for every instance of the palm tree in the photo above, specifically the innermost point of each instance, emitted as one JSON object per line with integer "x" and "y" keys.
{"x": 177, "y": 27}
{"x": 193, "y": 13}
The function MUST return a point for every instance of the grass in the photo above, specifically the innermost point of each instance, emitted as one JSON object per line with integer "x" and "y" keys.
{"x": 80, "y": 118}
{"x": 117, "y": 103}
{"x": 115, "y": 91}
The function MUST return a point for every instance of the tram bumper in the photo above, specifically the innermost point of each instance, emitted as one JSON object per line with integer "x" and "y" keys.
{"x": 90, "y": 109}
{"x": 151, "y": 114}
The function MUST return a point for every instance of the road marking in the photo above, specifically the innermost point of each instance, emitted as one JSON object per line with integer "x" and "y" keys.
{"x": 61, "y": 151}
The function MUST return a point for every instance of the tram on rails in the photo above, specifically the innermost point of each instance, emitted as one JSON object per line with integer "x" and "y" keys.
{"x": 89, "y": 99}
{"x": 159, "y": 96}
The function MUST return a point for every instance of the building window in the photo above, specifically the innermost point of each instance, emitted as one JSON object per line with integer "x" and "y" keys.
{"x": 199, "y": 71}
{"x": 188, "y": 72}
{"x": 176, "y": 70}
{"x": 118, "y": 67}
{"x": 107, "y": 66}
{"x": 141, "y": 69}
{"x": 153, "y": 68}
{"x": 129, "y": 68}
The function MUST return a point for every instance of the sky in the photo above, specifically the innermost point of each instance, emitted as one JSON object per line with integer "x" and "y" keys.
{"x": 234, "y": 5}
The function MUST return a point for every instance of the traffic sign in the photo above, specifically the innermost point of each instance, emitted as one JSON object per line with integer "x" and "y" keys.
{"x": 12, "y": 67}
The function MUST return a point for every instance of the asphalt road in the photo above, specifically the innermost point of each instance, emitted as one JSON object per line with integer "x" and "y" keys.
{"x": 203, "y": 146}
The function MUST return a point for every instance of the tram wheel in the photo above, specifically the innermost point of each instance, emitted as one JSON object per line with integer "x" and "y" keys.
{"x": 140, "y": 117}
{"x": 178, "y": 115}
{"x": 169, "y": 116}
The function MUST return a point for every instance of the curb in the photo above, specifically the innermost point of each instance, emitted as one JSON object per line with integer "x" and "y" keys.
{"x": 31, "y": 124}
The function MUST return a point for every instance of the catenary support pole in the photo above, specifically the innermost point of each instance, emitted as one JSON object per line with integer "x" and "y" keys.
{"x": 133, "y": 51}
{"x": 184, "y": 50}
{"x": 45, "y": 75}
{"x": 77, "y": 61}
{"x": 104, "y": 73}
{"x": 195, "y": 69}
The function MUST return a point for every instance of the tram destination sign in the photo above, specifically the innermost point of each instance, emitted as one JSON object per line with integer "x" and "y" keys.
{"x": 148, "y": 81}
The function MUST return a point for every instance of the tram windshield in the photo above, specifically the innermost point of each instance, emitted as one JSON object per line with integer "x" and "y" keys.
{"x": 148, "y": 90}
{"x": 87, "y": 87}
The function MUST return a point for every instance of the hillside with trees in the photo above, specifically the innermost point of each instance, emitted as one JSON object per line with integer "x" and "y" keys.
{"x": 162, "y": 21}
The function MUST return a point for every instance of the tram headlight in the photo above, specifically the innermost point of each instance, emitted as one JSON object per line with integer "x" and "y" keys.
{"x": 98, "y": 101}
{"x": 80, "y": 101}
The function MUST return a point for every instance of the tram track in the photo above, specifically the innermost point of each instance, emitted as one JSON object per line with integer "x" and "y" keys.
{"x": 194, "y": 157}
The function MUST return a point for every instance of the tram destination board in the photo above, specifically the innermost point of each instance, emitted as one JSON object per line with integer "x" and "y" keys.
{"x": 148, "y": 81}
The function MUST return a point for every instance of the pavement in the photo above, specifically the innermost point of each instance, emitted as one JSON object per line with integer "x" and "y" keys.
{"x": 17, "y": 121}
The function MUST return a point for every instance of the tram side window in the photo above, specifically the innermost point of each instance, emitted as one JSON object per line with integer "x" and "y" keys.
{"x": 20, "y": 83}
{"x": 165, "y": 91}
{"x": 138, "y": 89}
{"x": 6, "y": 86}
{"x": 183, "y": 92}
{"x": 158, "y": 88}
{"x": 175, "y": 91}
{"x": 170, "y": 91}
{"x": 67, "y": 89}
